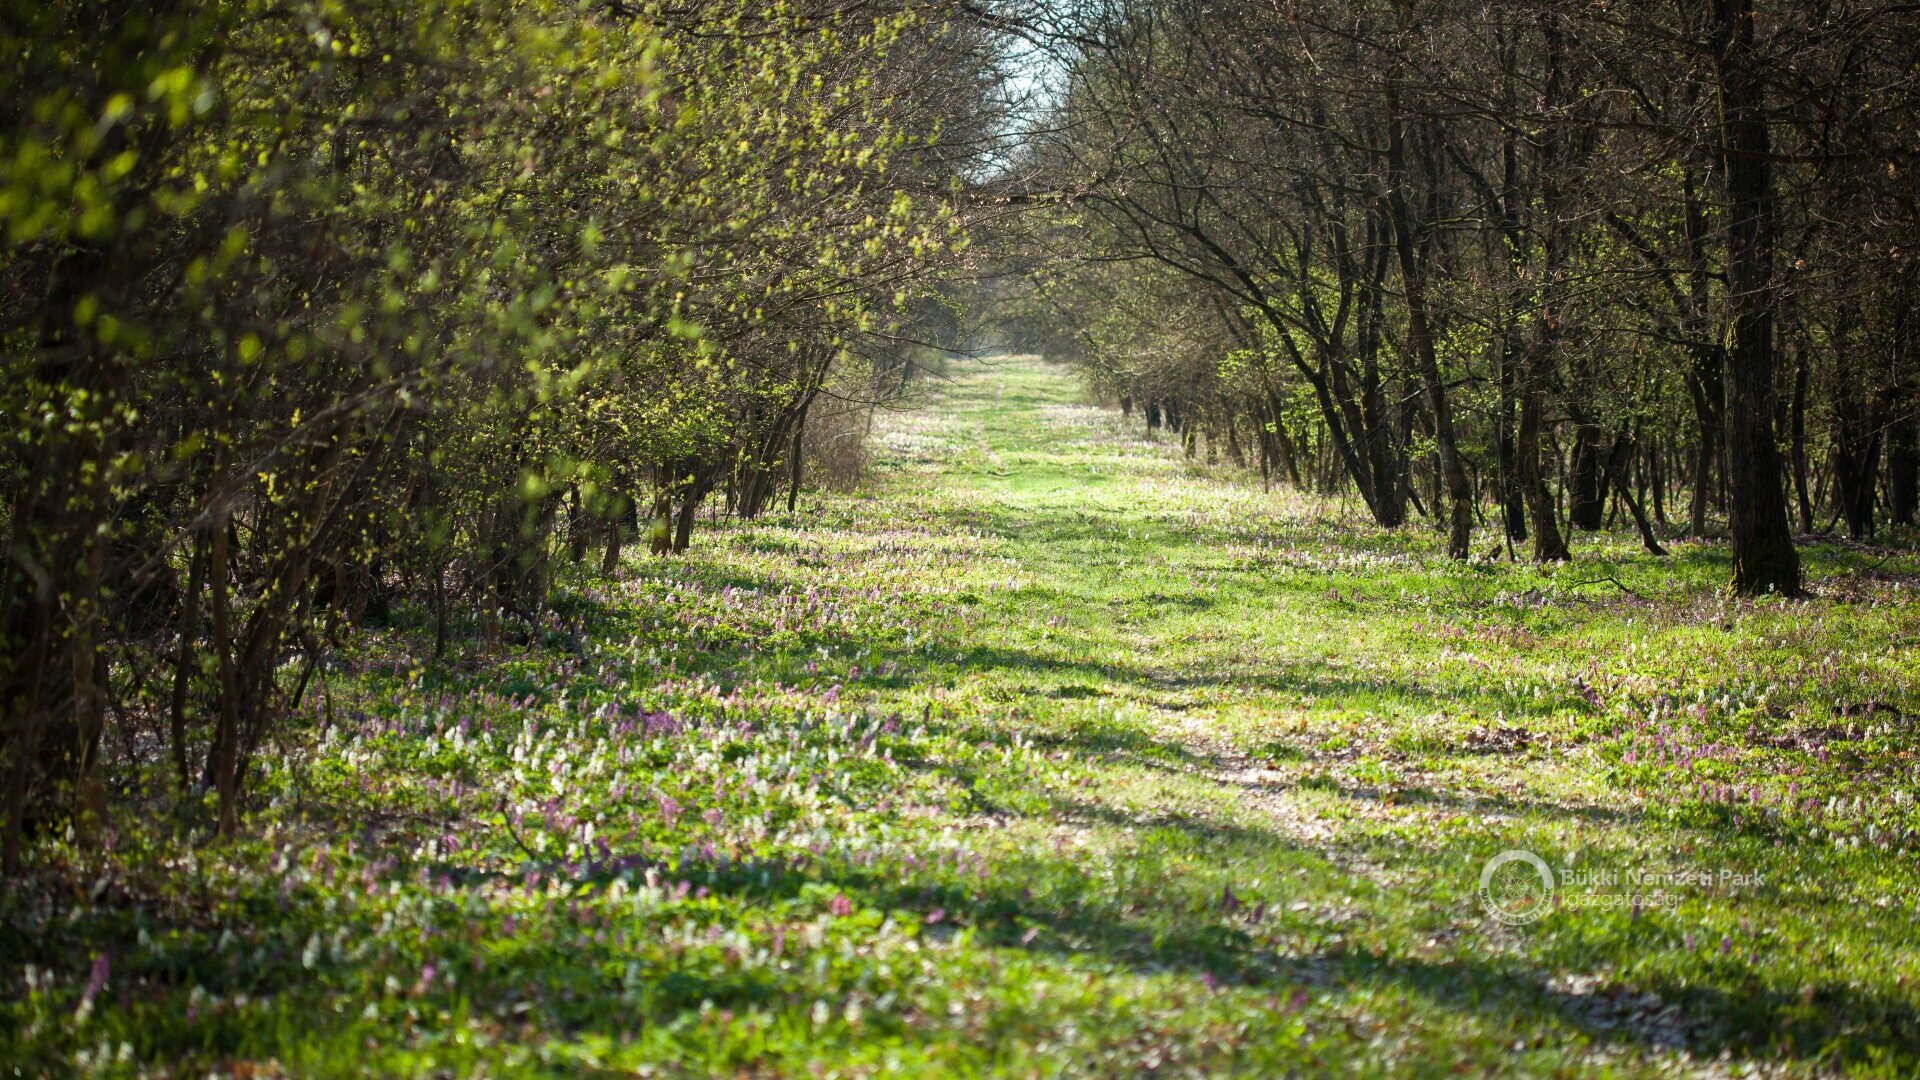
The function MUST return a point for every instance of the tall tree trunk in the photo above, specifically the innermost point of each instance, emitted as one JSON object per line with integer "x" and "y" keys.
{"x": 1706, "y": 414}
{"x": 1856, "y": 468}
{"x": 1657, "y": 481}
{"x": 1513, "y": 505}
{"x": 1797, "y": 424}
{"x": 1549, "y": 544}
{"x": 1764, "y": 560}
{"x": 226, "y": 736}
{"x": 89, "y": 713}
{"x": 1898, "y": 405}
{"x": 1856, "y": 429}
{"x": 1706, "y": 373}
{"x": 579, "y": 526}
{"x": 1420, "y": 336}
{"x": 794, "y": 462}
{"x": 184, "y": 659}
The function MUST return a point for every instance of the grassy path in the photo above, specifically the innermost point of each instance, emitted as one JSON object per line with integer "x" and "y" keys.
{"x": 1316, "y": 735}
{"x": 1050, "y": 754}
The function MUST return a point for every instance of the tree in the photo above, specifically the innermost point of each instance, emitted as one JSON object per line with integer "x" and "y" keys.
{"x": 1764, "y": 560}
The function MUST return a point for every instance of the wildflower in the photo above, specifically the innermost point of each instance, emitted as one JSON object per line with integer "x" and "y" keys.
{"x": 96, "y": 980}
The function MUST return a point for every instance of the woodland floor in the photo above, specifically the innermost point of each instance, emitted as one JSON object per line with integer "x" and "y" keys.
{"x": 1049, "y": 752}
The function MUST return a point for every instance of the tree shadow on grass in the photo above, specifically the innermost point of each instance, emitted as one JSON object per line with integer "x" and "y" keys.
{"x": 1839, "y": 1022}
{"x": 1739, "y": 1013}
{"x": 1067, "y": 908}
{"x": 1175, "y": 932}
{"x": 1416, "y": 795}
{"x": 1169, "y": 689}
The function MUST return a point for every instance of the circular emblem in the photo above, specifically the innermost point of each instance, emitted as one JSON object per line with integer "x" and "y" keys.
{"x": 1516, "y": 887}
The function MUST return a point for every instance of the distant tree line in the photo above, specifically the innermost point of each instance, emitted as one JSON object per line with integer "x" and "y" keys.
{"x": 312, "y": 308}
{"x": 1538, "y": 265}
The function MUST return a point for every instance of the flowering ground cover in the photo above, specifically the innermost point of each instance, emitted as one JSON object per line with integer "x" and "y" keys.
{"x": 1048, "y": 753}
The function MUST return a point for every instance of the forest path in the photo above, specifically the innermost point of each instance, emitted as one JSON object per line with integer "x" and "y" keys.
{"x": 1133, "y": 571}
{"x": 1137, "y": 591}
{"x": 1304, "y": 738}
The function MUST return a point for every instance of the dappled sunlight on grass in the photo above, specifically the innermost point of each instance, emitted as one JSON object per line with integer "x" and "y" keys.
{"x": 1050, "y": 753}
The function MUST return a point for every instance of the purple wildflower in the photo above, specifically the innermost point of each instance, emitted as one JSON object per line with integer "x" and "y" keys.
{"x": 96, "y": 979}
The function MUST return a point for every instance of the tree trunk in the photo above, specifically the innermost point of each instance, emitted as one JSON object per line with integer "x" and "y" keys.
{"x": 627, "y": 517}
{"x": 794, "y": 463}
{"x": 1856, "y": 468}
{"x": 699, "y": 481}
{"x": 1657, "y": 481}
{"x": 1549, "y": 544}
{"x": 226, "y": 735}
{"x": 1764, "y": 560}
{"x": 1512, "y": 498}
{"x": 1856, "y": 431}
{"x": 660, "y": 525}
{"x": 1706, "y": 414}
{"x": 1797, "y": 423}
{"x": 1903, "y": 475}
{"x": 1420, "y": 338}
{"x": 184, "y": 660}
{"x": 1587, "y": 489}
{"x": 579, "y": 526}
{"x": 1616, "y": 470}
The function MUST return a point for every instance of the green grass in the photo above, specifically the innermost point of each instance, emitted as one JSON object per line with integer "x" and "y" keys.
{"x": 1047, "y": 754}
